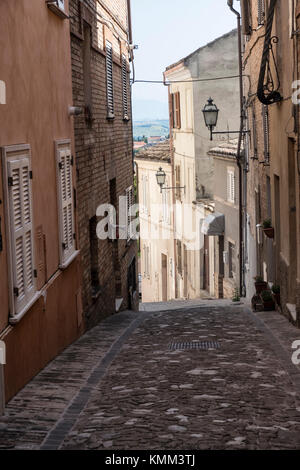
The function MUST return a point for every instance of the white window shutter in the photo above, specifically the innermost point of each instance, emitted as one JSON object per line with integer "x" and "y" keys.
{"x": 21, "y": 231}
{"x": 130, "y": 202}
{"x": 65, "y": 203}
{"x": 124, "y": 87}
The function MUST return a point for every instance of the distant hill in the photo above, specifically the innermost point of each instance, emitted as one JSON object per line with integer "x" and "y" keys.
{"x": 148, "y": 110}
{"x": 159, "y": 127}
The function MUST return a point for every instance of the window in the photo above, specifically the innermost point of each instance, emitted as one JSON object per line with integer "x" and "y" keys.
{"x": 109, "y": 80}
{"x": 292, "y": 17}
{"x": 18, "y": 175}
{"x": 261, "y": 12}
{"x": 94, "y": 253}
{"x": 265, "y": 119}
{"x": 246, "y": 17}
{"x": 64, "y": 161}
{"x": 254, "y": 134}
{"x": 231, "y": 185}
{"x": 87, "y": 83}
{"x": 175, "y": 110}
{"x": 165, "y": 205}
{"x": 129, "y": 203}
{"x": 179, "y": 257}
{"x": 146, "y": 251}
{"x": 125, "y": 88}
{"x": 177, "y": 182}
{"x": 231, "y": 261}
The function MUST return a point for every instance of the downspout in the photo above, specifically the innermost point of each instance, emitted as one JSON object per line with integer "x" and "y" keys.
{"x": 238, "y": 157}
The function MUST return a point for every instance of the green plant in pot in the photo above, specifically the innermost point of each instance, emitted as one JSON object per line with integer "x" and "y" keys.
{"x": 276, "y": 293}
{"x": 268, "y": 229}
{"x": 260, "y": 284}
{"x": 267, "y": 299}
{"x": 236, "y": 297}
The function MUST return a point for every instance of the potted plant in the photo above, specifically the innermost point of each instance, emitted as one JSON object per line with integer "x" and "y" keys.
{"x": 268, "y": 229}
{"x": 276, "y": 293}
{"x": 267, "y": 300}
{"x": 236, "y": 297}
{"x": 260, "y": 284}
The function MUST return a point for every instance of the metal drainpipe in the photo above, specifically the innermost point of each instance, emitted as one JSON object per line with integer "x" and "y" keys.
{"x": 238, "y": 158}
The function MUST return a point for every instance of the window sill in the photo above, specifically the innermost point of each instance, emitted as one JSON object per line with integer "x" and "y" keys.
{"x": 67, "y": 263}
{"x": 53, "y": 6}
{"x": 18, "y": 317}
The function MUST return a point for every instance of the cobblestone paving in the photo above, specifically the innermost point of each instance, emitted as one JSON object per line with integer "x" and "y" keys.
{"x": 244, "y": 395}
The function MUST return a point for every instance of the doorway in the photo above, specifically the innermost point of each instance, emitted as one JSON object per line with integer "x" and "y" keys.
{"x": 164, "y": 274}
{"x": 206, "y": 283}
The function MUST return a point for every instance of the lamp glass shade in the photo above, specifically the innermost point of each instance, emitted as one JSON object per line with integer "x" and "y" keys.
{"x": 210, "y": 113}
{"x": 161, "y": 177}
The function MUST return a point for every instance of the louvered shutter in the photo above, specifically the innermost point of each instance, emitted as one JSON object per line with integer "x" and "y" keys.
{"x": 109, "y": 80}
{"x": 130, "y": 202}
{"x": 20, "y": 213}
{"x": 65, "y": 203}
{"x": 124, "y": 87}
{"x": 265, "y": 118}
{"x": 231, "y": 186}
{"x": 178, "y": 116}
{"x": 245, "y": 10}
{"x": 261, "y": 11}
{"x": 171, "y": 110}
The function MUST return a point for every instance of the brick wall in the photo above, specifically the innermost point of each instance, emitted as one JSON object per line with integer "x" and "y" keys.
{"x": 103, "y": 153}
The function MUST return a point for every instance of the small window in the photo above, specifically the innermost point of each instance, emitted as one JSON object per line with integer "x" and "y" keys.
{"x": 64, "y": 164}
{"x": 176, "y": 117}
{"x": 109, "y": 81}
{"x": 125, "y": 88}
{"x": 231, "y": 186}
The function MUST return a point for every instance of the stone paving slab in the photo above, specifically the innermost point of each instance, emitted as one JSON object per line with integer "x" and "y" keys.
{"x": 37, "y": 408}
{"x": 240, "y": 396}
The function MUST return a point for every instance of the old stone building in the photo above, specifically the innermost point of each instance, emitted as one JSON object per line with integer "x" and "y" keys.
{"x": 100, "y": 42}
{"x": 271, "y": 66}
{"x": 156, "y": 223}
{"x": 192, "y": 81}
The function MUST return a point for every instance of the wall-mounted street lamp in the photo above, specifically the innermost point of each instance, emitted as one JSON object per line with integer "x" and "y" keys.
{"x": 161, "y": 179}
{"x": 211, "y": 113}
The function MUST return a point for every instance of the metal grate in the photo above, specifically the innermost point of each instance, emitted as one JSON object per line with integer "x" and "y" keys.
{"x": 202, "y": 345}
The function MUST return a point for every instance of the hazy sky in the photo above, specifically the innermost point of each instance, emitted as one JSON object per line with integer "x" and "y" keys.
{"x": 168, "y": 30}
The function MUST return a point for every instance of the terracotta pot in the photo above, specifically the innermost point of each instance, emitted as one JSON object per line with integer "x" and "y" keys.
{"x": 260, "y": 286}
{"x": 269, "y": 232}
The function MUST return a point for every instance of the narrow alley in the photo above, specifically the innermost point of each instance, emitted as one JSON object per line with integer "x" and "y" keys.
{"x": 180, "y": 375}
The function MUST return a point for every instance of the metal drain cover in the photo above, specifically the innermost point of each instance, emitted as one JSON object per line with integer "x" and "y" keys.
{"x": 202, "y": 345}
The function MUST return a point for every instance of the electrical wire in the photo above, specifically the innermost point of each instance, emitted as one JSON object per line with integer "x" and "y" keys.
{"x": 166, "y": 83}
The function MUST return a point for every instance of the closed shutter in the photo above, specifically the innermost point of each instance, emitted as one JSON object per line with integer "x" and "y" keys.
{"x": 245, "y": 10}
{"x": 130, "y": 203}
{"x": 265, "y": 118}
{"x": 177, "y": 181}
{"x": 21, "y": 242}
{"x": 109, "y": 80}
{"x": 261, "y": 11}
{"x": 231, "y": 186}
{"x": 177, "y": 110}
{"x": 171, "y": 110}
{"x": 124, "y": 87}
{"x": 65, "y": 203}
{"x": 254, "y": 132}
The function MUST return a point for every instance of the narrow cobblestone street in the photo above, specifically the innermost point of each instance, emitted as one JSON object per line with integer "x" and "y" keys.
{"x": 122, "y": 387}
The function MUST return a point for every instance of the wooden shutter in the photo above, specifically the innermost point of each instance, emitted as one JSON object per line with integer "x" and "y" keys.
{"x": 109, "y": 80}
{"x": 130, "y": 203}
{"x": 65, "y": 202}
{"x": 177, "y": 181}
{"x": 245, "y": 10}
{"x": 177, "y": 110}
{"x": 124, "y": 87}
{"x": 21, "y": 240}
{"x": 261, "y": 11}
{"x": 265, "y": 118}
{"x": 254, "y": 131}
{"x": 171, "y": 110}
